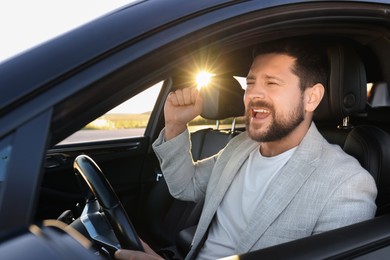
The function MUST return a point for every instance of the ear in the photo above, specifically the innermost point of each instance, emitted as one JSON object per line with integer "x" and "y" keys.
{"x": 313, "y": 97}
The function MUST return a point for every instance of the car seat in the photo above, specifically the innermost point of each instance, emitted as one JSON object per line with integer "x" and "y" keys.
{"x": 347, "y": 95}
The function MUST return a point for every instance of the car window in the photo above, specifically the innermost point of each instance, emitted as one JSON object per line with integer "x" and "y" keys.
{"x": 129, "y": 119}
{"x": 5, "y": 154}
{"x": 378, "y": 94}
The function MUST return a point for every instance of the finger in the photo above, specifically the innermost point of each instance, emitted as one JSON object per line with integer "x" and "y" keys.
{"x": 199, "y": 102}
{"x": 194, "y": 95}
{"x": 172, "y": 99}
{"x": 187, "y": 94}
{"x": 180, "y": 97}
{"x": 131, "y": 254}
{"x": 124, "y": 254}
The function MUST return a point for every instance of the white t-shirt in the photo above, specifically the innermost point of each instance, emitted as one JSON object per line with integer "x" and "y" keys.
{"x": 240, "y": 201}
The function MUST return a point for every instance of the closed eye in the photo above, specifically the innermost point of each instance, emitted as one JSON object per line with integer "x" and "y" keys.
{"x": 250, "y": 83}
{"x": 273, "y": 80}
{"x": 272, "y": 83}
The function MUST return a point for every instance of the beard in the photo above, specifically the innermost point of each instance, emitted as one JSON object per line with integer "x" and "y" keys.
{"x": 280, "y": 126}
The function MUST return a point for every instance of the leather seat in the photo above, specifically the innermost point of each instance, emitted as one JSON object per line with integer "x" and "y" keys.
{"x": 379, "y": 116}
{"x": 371, "y": 146}
{"x": 347, "y": 95}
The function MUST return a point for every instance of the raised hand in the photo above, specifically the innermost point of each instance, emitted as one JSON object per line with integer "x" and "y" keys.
{"x": 181, "y": 107}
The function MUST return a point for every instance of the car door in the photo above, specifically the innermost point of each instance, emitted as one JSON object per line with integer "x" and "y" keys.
{"x": 119, "y": 142}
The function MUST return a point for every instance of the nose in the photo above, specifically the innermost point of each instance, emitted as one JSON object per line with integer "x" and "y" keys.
{"x": 255, "y": 92}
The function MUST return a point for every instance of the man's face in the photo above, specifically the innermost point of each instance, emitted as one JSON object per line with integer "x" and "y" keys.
{"x": 273, "y": 99}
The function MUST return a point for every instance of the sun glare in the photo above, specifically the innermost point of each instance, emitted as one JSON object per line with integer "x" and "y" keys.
{"x": 203, "y": 79}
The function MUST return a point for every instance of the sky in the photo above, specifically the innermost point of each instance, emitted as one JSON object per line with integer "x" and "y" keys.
{"x": 27, "y": 23}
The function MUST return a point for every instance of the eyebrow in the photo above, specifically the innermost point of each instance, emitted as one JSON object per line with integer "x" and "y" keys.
{"x": 250, "y": 77}
{"x": 273, "y": 78}
{"x": 266, "y": 76}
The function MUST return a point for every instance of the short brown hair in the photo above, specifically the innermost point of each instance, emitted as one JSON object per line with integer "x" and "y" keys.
{"x": 311, "y": 65}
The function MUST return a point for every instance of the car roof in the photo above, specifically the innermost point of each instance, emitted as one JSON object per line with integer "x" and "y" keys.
{"x": 47, "y": 62}
{"x": 127, "y": 34}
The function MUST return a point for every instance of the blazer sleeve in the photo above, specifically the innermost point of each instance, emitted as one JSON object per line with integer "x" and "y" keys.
{"x": 352, "y": 201}
{"x": 186, "y": 179}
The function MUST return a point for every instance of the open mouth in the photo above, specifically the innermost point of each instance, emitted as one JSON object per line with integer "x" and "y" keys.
{"x": 260, "y": 113}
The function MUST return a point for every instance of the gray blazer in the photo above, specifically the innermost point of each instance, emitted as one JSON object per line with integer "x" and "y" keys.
{"x": 319, "y": 189}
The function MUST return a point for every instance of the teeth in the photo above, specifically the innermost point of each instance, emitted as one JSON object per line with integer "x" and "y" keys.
{"x": 260, "y": 111}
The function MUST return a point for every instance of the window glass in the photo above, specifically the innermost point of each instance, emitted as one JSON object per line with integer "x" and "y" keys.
{"x": 378, "y": 94}
{"x": 5, "y": 154}
{"x": 129, "y": 119}
{"x": 242, "y": 81}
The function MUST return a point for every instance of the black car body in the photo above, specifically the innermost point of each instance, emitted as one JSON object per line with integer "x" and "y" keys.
{"x": 55, "y": 89}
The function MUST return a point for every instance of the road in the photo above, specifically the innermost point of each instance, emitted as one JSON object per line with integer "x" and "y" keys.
{"x": 99, "y": 135}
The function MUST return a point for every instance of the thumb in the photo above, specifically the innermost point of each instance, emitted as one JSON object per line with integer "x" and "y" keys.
{"x": 124, "y": 254}
{"x": 199, "y": 100}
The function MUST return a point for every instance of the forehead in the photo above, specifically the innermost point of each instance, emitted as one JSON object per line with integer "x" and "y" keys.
{"x": 272, "y": 63}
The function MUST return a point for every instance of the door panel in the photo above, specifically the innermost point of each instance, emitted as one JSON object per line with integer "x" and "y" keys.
{"x": 128, "y": 165}
{"x": 119, "y": 143}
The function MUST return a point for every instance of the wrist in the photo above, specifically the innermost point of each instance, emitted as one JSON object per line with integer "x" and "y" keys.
{"x": 173, "y": 130}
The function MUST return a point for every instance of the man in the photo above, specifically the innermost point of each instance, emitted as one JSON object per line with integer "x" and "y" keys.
{"x": 278, "y": 181}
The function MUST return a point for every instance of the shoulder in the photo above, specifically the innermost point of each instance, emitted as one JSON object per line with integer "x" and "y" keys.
{"x": 339, "y": 173}
{"x": 332, "y": 165}
{"x": 242, "y": 142}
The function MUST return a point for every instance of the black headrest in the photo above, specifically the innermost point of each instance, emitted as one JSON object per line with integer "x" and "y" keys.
{"x": 223, "y": 98}
{"x": 347, "y": 85}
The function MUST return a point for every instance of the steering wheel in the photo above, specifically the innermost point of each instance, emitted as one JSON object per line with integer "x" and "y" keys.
{"x": 104, "y": 217}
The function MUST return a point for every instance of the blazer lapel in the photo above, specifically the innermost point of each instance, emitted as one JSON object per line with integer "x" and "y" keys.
{"x": 282, "y": 190}
{"x": 279, "y": 194}
{"x": 228, "y": 167}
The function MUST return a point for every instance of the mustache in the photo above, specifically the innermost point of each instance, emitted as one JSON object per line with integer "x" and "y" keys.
{"x": 259, "y": 103}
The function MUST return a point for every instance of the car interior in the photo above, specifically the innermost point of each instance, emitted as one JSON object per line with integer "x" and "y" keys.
{"x": 344, "y": 118}
{"x": 350, "y": 115}
{"x": 345, "y": 98}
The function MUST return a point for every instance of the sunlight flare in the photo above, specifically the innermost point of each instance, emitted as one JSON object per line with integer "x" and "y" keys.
{"x": 203, "y": 78}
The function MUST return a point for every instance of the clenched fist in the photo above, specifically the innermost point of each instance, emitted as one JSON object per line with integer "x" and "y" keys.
{"x": 181, "y": 107}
